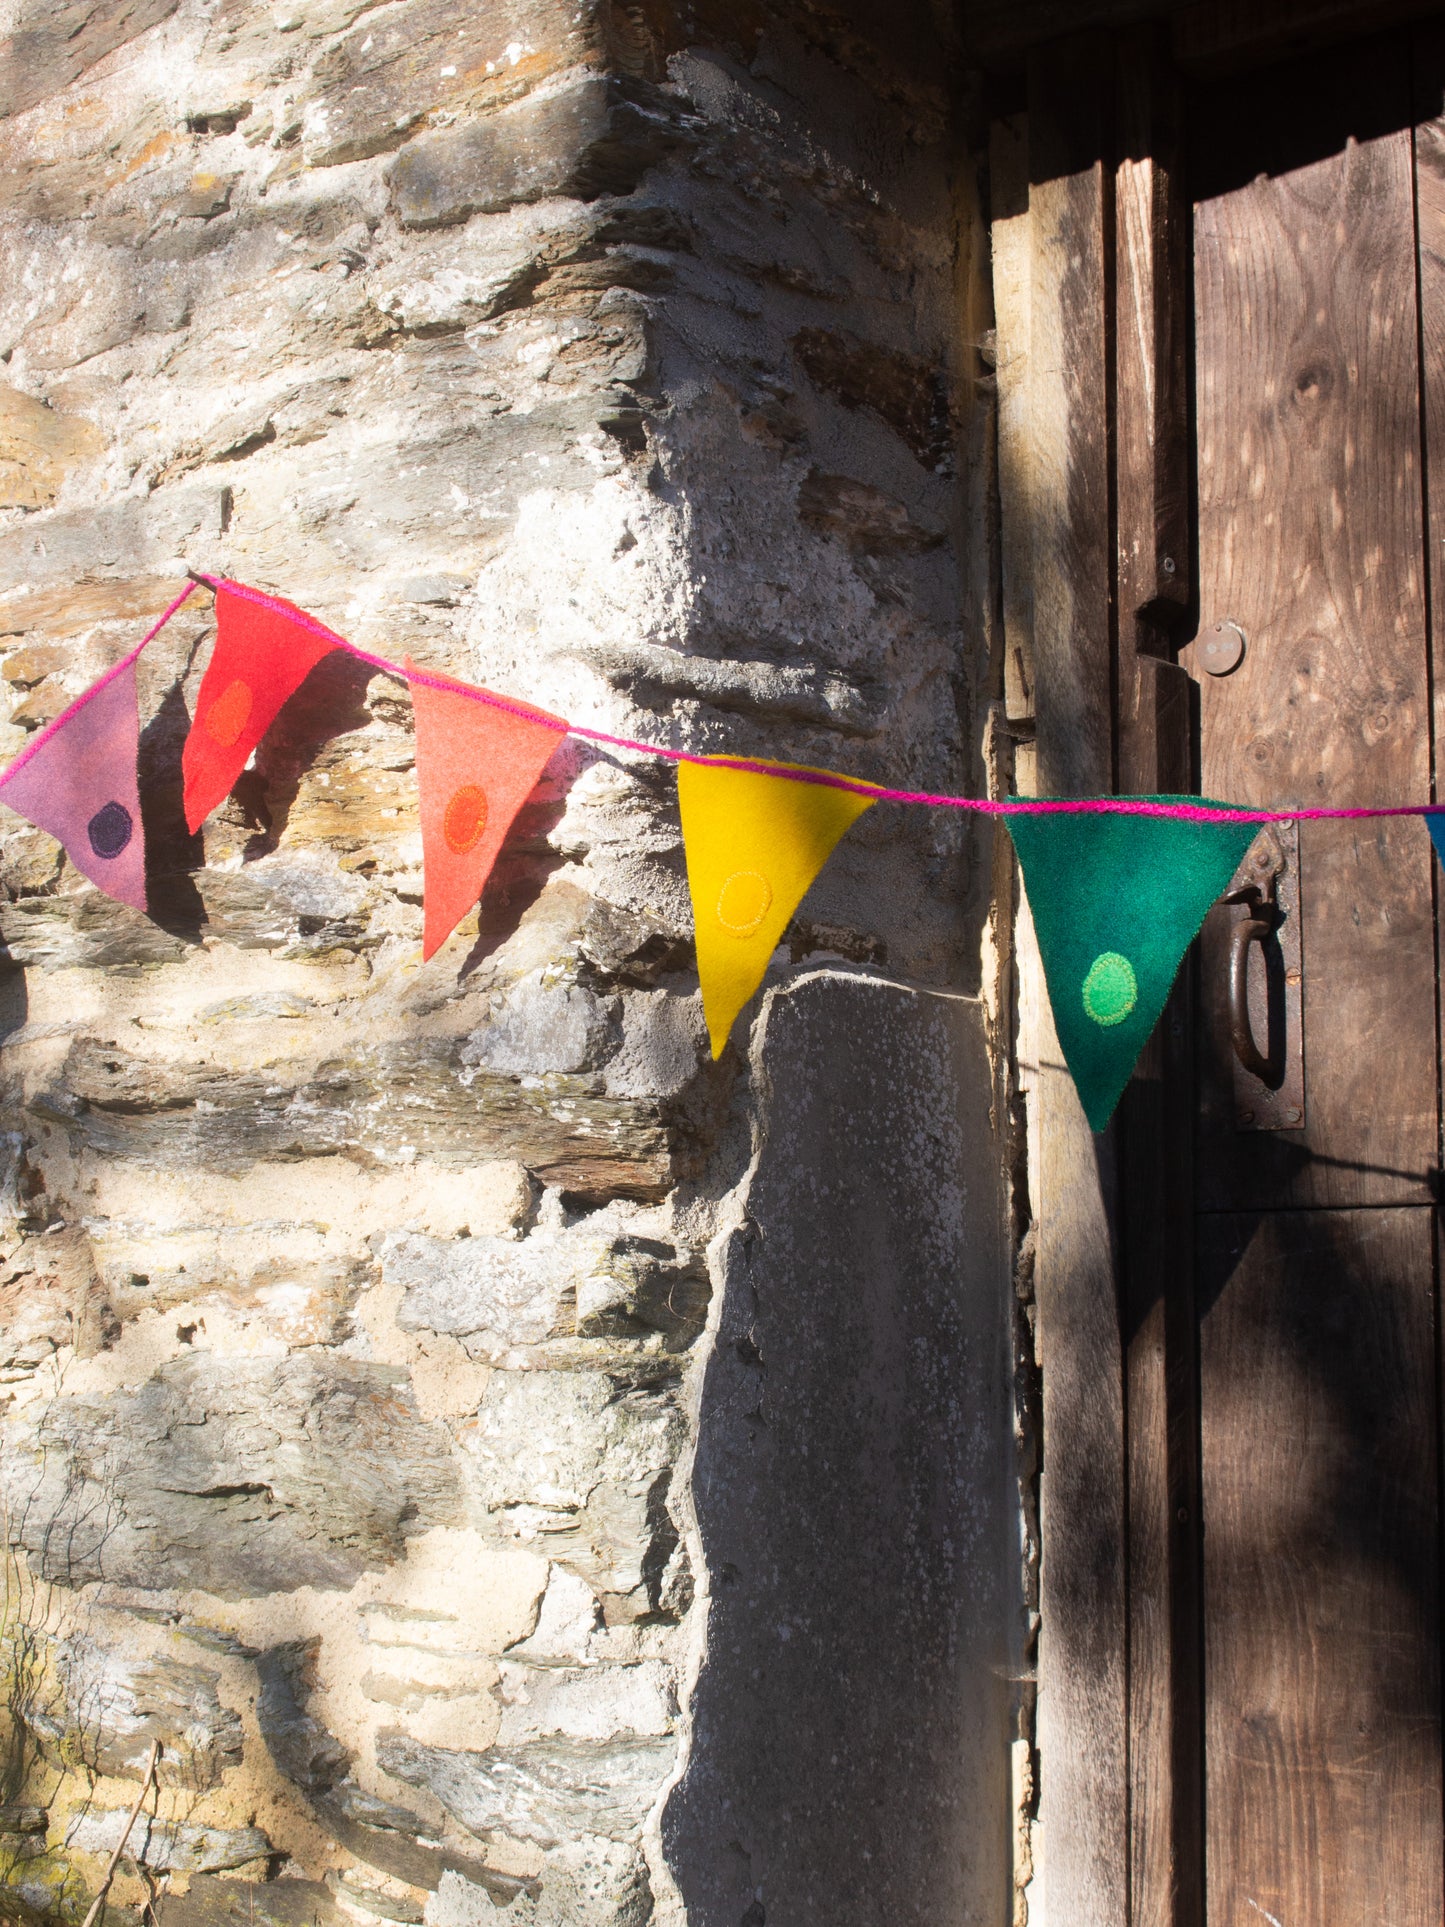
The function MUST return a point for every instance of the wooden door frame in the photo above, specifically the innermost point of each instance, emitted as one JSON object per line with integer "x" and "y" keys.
{"x": 1095, "y": 496}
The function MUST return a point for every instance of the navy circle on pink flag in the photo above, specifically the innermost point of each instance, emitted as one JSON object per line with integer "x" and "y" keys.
{"x": 79, "y": 783}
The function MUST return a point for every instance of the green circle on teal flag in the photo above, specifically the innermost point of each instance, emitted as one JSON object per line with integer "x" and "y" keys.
{"x": 1111, "y": 989}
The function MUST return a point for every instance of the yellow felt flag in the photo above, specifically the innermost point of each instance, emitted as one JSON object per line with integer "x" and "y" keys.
{"x": 754, "y": 844}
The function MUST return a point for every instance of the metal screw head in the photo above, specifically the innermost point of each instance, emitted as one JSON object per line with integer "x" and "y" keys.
{"x": 1221, "y": 648}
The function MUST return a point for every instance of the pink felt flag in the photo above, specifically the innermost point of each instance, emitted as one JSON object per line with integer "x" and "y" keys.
{"x": 78, "y": 781}
{"x": 265, "y": 649}
{"x": 477, "y": 762}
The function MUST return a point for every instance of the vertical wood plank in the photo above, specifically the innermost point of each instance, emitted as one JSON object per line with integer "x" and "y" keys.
{"x": 1151, "y": 346}
{"x": 1428, "y": 81}
{"x": 1008, "y": 167}
{"x": 1070, "y": 219}
{"x": 1310, "y": 539}
{"x": 1321, "y": 1585}
{"x": 1155, "y": 744}
{"x": 1083, "y": 1740}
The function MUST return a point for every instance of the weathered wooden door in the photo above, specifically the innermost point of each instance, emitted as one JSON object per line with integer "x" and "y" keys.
{"x": 1319, "y": 363}
{"x": 1220, "y": 297}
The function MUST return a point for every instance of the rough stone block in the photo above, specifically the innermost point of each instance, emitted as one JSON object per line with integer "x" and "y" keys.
{"x": 544, "y": 1024}
{"x": 38, "y": 449}
{"x": 579, "y": 1467}
{"x": 568, "y": 1621}
{"x": 52, "y": 42}
{"x": 584, "y": 1703}
{"x": 167, "y": 1846}
{"x": 496, "y": 1295}
{"x": 369, "y": 89}
{"x": 589, "y": 1882}
{"x": 387, "y": 1103}
{"x": 595, "y": 135}
{"x": 218, "y": 1902}
{"x": 242, "y": 1477}
{"x": 119, "y": 1704}
{"x": 548, "y": 1792}
{"x": 491, "y": 1293}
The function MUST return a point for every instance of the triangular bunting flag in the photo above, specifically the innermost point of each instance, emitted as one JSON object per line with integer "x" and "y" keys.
{"x": 265, "y": 649}
{"x": 79, "y": 783}
{"x": 1116, "y": 901}
{"x": 754, "y": 844}
{"x": 476, "y": 765}
{"x": 1435, "y": 824}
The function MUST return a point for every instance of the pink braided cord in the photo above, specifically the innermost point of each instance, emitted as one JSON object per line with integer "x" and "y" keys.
{"x": 828, "y": 779}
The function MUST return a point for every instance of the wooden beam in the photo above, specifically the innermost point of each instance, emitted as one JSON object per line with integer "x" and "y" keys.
{"x": 1008, "y": 168}
{"x": 1070, "y": 235}
{"x": 1083, "y": 1745}
{"x": 1151, "y": 345}
{"x": 1155, "y": 725}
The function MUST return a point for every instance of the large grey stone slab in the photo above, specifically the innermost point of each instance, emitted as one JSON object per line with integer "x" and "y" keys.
{"x": 121, "y": 1704}
{"x": 167, "y": 1846}
{"x": 548, "y": 1791}
{"x": 849, "y": 1749}
{"x": 598, "y": 135}
{"x": 241, "y": 1476}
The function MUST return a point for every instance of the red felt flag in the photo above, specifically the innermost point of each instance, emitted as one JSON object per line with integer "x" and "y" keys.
{"x": 265, "y": 649}
{"x": 476, "y": 764}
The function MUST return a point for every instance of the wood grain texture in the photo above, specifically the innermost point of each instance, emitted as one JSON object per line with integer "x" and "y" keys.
{"x": 1310, "y": 538}
{"x": 1069, "y": 390}
{"x": 1320, "y": 1560}
{"x": 1428, "y": 74}
{"x": 1008, "y": 167}
{"x": 1165, "y": 1712}
{"x": 1150, "y": 342}
{"x": 1154, "y": 724}
{"x": 1083, "y": 1711}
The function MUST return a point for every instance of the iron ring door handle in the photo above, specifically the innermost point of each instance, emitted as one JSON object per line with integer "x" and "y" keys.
{"x": 1257, "y": 928}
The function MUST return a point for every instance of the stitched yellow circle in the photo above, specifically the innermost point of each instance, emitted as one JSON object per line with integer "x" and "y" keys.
{"x": 1111, "y": 989}
{"x": 743, "y": 902}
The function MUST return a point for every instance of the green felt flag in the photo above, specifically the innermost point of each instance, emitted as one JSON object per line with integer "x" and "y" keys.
{"x": 1116, "y": 902}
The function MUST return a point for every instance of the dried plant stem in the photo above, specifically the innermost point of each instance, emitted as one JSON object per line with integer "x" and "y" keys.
{"x": 150, "y": 1774}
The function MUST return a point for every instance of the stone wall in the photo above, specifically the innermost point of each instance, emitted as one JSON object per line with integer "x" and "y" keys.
{"x": 390, "y": 1350}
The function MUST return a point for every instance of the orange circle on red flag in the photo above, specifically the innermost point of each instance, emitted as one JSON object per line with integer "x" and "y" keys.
{"x": 465, "y": 822}
{"x": 229, "y": 714}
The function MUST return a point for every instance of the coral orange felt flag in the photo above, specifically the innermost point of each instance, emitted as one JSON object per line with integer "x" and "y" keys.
{"x": 476, "y": 765}
{"x": 265, "y": 649}
{"x": 79, "y": 783}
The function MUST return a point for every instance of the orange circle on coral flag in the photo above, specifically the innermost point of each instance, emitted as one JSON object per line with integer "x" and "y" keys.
{"x": 465, "y": 821}
{"x": 229, "y": 714}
